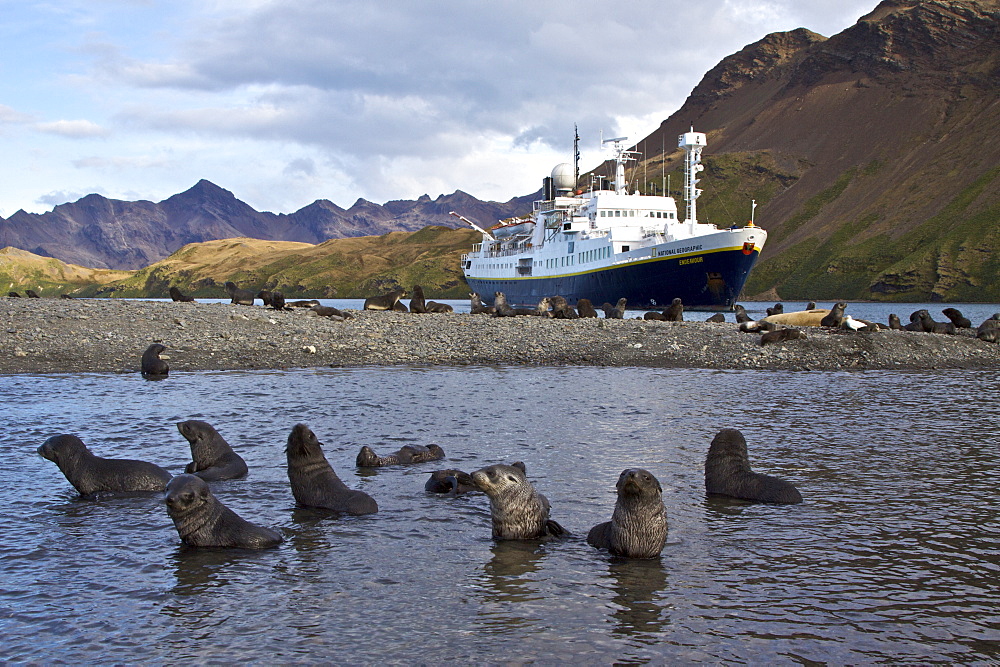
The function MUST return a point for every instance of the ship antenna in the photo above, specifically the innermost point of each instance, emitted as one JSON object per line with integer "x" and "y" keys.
{"x": 576, "y": 156}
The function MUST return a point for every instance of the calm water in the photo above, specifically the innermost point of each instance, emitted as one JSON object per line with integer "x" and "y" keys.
{"x": 893, "y": 556}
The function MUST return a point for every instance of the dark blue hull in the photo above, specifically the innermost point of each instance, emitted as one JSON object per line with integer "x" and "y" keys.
{"x": 708, "y": 281}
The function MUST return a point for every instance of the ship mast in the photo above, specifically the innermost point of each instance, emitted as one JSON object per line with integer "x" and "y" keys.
{"x": 621, "y": 157}
{"x": 692, "y": 142}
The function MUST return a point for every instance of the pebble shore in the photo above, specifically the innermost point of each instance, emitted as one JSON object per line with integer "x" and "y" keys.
{"x": 109, "y": 335}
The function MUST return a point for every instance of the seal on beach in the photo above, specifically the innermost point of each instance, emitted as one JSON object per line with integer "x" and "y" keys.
{"x": 152, "y": 366}
{"x": 89, "y": 473}
{"x": 956, "y": 317}
{"x": 14, "y": 295}
{"x": 436, "y": 307}
{"x": 501, "y": 307}
{"x": 780, "y": 336}
{"x": 717, "y": 318}
{"x": 741, "y": 314}
{"x": 202, "y": 521}
{"x": 212, "y": 457}
{"x": 835, "y": 316}
{"x": 32, "y": 294}
{"x": 799, "y": 318}
{"x": 450, "y": 481}
{"x": 385, "y": 301}
{"x": 675, "y": 311}
{"x": 615, "y": 312}
{"x": 541, "y": 309}
{"x": 638, "y": 526}
{"x": 417, "y": 302}
{"x": 405, "y": 454}
{"x": 278, "y": 301}
{"x": 477, "y": 307}
{"x": 561, "y": 309}
{"x": 585, "y": 308}
{"x": 989, "y": 330}
{"x": 176, "y": 295}
{"x": 313, "y": 480}
{"x": 302, "y": 303}
{"x": 518, "y": 511}
{"x": 265, "y": 296}
{"x": 777, "y": 309}
{"x": 242, "y": 297}
{"x": 654, "y": 315}
{"x": 894, "y": 322}
{"x": 328, "y": 311}
{"x": 728, "y": 473}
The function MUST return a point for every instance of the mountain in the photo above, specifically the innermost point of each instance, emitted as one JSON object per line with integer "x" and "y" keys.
{"x": 107, "y": 233}
{"x": 873, "y": 155}
{"x": 21, "y": 270}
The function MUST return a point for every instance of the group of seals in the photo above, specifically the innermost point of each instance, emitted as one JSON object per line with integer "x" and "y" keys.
{"x": 367, "y": 458}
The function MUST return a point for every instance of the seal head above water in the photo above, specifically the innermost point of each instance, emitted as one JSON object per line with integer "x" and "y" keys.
{"x": 151, "y": 365}
{"x": 638, "y": 526}
{"x": 213, "y": 458}
{"x": 518, "y": 511}
{"x": 91, "y": 474}
{"x": 202, "y": 521}
{"x": 313, "y": 480}
{"x": 728, "y": 473}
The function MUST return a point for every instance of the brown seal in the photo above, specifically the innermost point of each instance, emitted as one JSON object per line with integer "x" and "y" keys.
{"x": 957, "y": 318}
{"x": 477, "y": 307}
{"x": 728, "y": 473}
{"x": 278, "y": 301}
{"x": 450, "y": 481}
{"x": 674, "y": 312}
{"x": 212, "y": 457}
{"x": 518, "y": 511}
{"x": 202, "y": 521}
{"x": 638, "y": 526}
{"x": 32, "y": 294}
{"x": 265, "y": 296}
{"x": 501, "y": 307}
{"x": 386, "y": 301}
{"x": 894, "y": 322}
{"x": 654, "y": 315}
{"x": 989, "y": 330}
{"x": 152, "y": 367}
{"x": 615, "y": 312}
{"x": 586, "y": 308}
{"x": 741, "y": 314}
{"x": 329, "y": 311}
{"x": 405, "y": 454}
{"x": 540, "y": 310}
{"x": 562, "y": 310}
{"x": 243, "y": 297}
{"x": 780, "y": 336}
{"x": 435, "y": 307}
{"x": 835, "y": 317}
{"x": 313, "y": 480}
{"x": 176, "y": 295}
{"x": 90, "y": 474}
{"x": 417, "y": 302}
{"x": 717, "y": 318}
{"x": 777, "y": 309}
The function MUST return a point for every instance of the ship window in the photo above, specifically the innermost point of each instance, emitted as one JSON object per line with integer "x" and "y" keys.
{"x": 602, "y": 214}
{"x": 631, "y": 214}
{"x": 626, "y": 248}
{"x": 618, "y": 214}
{"x": 671, "y": 216}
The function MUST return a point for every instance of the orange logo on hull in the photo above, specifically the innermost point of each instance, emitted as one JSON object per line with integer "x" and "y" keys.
{"x": 748, "y": 247}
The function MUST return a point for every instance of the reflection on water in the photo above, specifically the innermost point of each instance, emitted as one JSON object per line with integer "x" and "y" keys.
{"x": 893, "y": 556}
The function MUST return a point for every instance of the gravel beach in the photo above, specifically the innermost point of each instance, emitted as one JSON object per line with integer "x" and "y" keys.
{"x": 108, "y": 335}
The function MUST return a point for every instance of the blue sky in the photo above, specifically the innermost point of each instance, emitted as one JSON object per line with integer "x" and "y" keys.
{"x": 290, "y": 101}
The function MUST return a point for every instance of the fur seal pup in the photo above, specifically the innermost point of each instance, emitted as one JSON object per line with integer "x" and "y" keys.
{"x": 956, "y": 317}
{"x": 586, "y": 308}
{"x": 989, "y": 330}
{"x": 615, "y": 312}
{"x": 242, "y": 297}
{"x": 477, "y": 307}
{"x": 278, "y": 301}
{"x": 152, "y": 366}
{"x": 741, "y": 314}
{"x": 638, "y": 526}
{"x": 417, "y": 302}
{"x": 176, "y": 295}
{"x": 328, "y": 311}
{"x": 501, "y": 307}
{"x": 386, "y": 301}
{"x": 562, "y": 310}
{"x": 32, "y": 294}
{"x": 89, "y": 473}
{"x": 727, "y": 473}
{"x": 777, "y": 309}
{"x": 265, "y": 296}
{"x": 541, "y": 309}
{"x": 435, "y": 307}
{"x": 518, "y": 511}
{"x": 202, "y": 521}
{"x": 894, "y": 322}
{"x": 450, "y": 481}
{"x": 405, "y": 454}
{"x": 835, "y": 316}
{"x": 654, "y": 316}
{"x": 717, "y": 318}
{"x": 313, "y": 480}
{"x": 14, "y": 295}
{"x": 780, "y": 336}
{"x": 675, "y": 311}
{"x": 212, "y": 457}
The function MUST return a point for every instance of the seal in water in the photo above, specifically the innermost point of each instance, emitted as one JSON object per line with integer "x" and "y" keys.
{"x": 152, "y": 366}
{"x": 202, "y": 521}
{"x": 586, "y": 308}
{"x": 956, "y": 317}
{"x": 780, "y": 336}
{"x": 386, "y": 301}
{"x": 406, "y": 454}
{"x": 638, "y": 526}
{"x": 314, "y": 482}
{"x": 835, "y": 316}
{"x": 450, "y": 481}
{"x": 243, "y": 297}
{"x": 89, "y": 473}
{"x": 477, "y": 307}
{"x": 675, "y": 311}
{"x": 417, "y": 303}
{"x": 175, "y": 295}
{"x": 519, "y": 512}
{"x": 212, "y": 457}
{"x": 727, "y": 473}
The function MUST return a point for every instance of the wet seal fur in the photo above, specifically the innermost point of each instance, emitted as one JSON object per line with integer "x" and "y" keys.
{"x": 202, "y": 521}
{"x": 89, "y": 473}
{"x": 152, "y": 366}
{"x": 242, "y": 297}
{"x": 728, "y": 473}
{"x": 450, "y": 481}
{"x": 176, "y": 295}
{"x": 213, "y": 458}
{"x": 638, "y": 526}
{"x": 405, "y": 454}
{"x": 386, "y": 301}
{"x": 314, "y": 481}
{"x": 518, "y": 511}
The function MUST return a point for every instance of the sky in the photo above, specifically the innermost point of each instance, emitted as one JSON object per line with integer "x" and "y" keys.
{"x": 288, "y": 101}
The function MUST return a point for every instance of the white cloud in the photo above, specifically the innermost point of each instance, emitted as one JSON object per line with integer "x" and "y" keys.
{"x": 73, "y": 129}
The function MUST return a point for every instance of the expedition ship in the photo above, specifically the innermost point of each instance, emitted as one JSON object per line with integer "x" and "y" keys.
{"x": 606, "y": 244}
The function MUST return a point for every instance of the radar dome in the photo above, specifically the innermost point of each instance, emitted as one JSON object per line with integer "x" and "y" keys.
{"x": 563, "y": 178}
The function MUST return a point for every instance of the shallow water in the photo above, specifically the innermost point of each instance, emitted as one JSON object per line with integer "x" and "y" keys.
{"x": 893, "y": 556}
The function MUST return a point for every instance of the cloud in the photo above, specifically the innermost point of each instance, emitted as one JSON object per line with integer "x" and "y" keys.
{"x": 73, "y": 129}
{"x": 57, "y": 197}
{"x": 13, "y": 117}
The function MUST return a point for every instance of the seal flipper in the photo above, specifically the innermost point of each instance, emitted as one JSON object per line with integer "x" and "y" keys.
{"x": 553, "y": 528}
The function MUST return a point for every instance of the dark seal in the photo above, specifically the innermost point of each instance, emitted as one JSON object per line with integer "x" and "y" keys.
{"x": 329, "y": 311}
{"x": 450, "y": 481}
{"x": 518, "y": 511}
{"x": 32, "y": 294}
{"x": 957, "y": 318}
{"x": 278, "y": 301}
{"x": 265, "y": 296}
{"x": 500, "y": 306}
{"x": 615, "y": 312}
{"x": 212, "y": 457}
{"x": 405, "y": 454}
{"x": 152, "y": 367}
{"x": 417, "y": 302}
{"x": 315, "y": 483}
{"x": 243, "y": 297}
{"x": 14, "y": 295}
{"x": 654, "y": 315}
{"x": 741, "y": 314}
{"x": 638, "y": 526}
{"x": 586, "y": 308}
{"x": 386, "y": 301}
{"x": 728, "y": 473}
{"x": 90, "y": 474}
{"x": 836, "y": 315}
{"x": 562, "y": 310}
{"x": 894, "y": 322}
{"x": 777, "y": 309}
{"x": 436, "y": 307}
{"x": 202, "y": 521}
{"x": 674, "y": 312}
{"x": 781, "y": 335}
{"x": 477, "y": 307}
{"x": 176, "y": 295}
{"x": 717, "y": 318}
